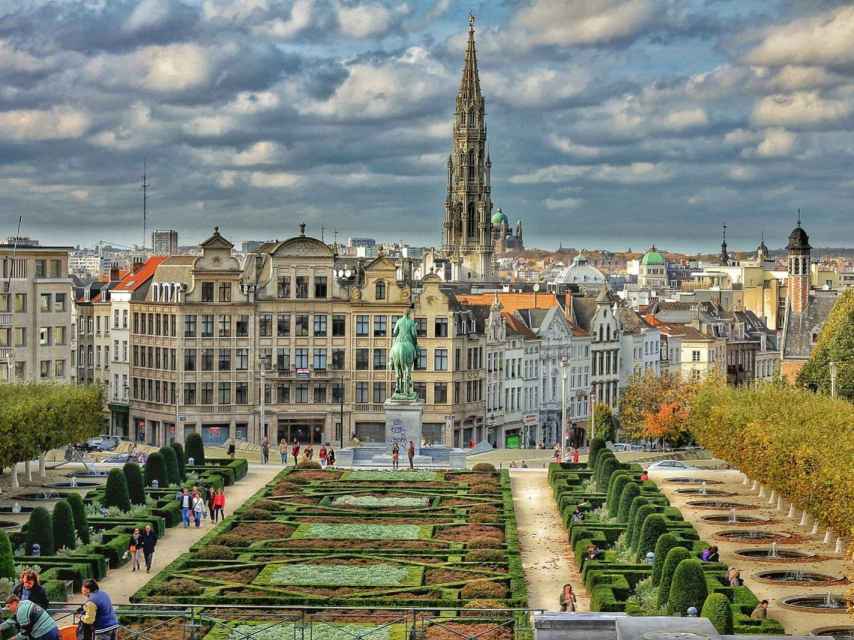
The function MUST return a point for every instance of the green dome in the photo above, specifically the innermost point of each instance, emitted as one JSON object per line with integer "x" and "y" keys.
{"x": 652, "y": 258}
{"x": 499, "y": 218}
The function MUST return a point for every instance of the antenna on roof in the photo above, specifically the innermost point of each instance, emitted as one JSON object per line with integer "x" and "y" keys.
{"x": 145, "y": 185}
{"x": 799, "y": 216}
{"x": 12, "y": 265}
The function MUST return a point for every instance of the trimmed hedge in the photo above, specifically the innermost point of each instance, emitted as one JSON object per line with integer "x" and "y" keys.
{"x": 136, "y": 487}
{"x": 596, "y": 445}
{"x": 719, "y": 612}
{"x": 654, "y": 527}
{"x": 171, "y": 460}
{"x": 155, "y": 469}
{"x": 664, "y": 544}
{"x": 195, "y": 449}
{"x": 606, "y": 470}
{"x": 7, "y": 561}
{"x": 615, "y": 488}
{"x": 64, "y": 533}
{"x": 637, "y": 519}
{"x": 81, "y": 522}
{"x": 674, "y": 557}
{"x": 688, "y": 587}
{"x": 40, "y": 531}
{"x": 116, "y": 491}
{"x": 182, "y": 460}
{"x": 630, "y": 491}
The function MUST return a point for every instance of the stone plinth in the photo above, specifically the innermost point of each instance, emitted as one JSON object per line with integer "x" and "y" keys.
{"x": 403, "y": 422}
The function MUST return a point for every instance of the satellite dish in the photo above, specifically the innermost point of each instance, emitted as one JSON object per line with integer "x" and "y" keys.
{"x": 536, "y": 287}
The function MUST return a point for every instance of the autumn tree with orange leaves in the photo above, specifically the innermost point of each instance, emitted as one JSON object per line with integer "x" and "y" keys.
{"x": 655, "y": 407}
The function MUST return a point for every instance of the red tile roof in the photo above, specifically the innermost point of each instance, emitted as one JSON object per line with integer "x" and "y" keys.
{"x": 132, "y": 281}
{"x": 511, "y": 301}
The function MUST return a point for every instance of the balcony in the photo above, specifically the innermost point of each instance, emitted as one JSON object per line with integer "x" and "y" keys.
{"x": 6, "y": 319}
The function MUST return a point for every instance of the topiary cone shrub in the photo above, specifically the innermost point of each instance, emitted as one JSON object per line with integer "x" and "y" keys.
{"x": 688, "y": 587}
{"x": 483, "y": 467}
{"x": 182, "y": 460}
{"x": 596, "y": 445}
{"x": 654, "y": 526}
{"x": 638, "y": 519}
{"x": 602, "y": 457}
{"x": 195, "y": 449}
{"x": 7, "y": 559}
{"x": 606, "y": 470}
{"x": 615, "y": 488}
{"x": 719, "y": 612}
{"x": 40, "y": 532}
{"x": 64, "y": 534}
{"x": 155, "y": 469}
{"x": 133, "y": 477}
{"x": 665, "y": 543}
{"x": 81, "y": 522}
{"x": 671, "y": 561}
{"x": 629, "y": 493}
{"x": 171, "y": 460}
{"x": 116, "y": 491}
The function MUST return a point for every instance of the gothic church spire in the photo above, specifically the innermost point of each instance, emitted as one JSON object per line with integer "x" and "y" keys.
{"x": 470, "y": 82}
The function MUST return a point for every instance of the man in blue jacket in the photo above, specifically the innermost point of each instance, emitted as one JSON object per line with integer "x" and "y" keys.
{"x": 98, "y": 612}
{"x": 32, "y": 622}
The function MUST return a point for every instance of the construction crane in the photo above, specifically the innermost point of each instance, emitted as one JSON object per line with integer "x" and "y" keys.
{"x": 106, "y": 243}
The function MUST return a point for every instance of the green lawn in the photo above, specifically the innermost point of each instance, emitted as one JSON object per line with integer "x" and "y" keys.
{"x": 336, "y": 531}
{"x": 317, "y": 631}
{"x": 393, "y": 476}
{"x": 380, "y": 501}
{"x": 341, "y": 575}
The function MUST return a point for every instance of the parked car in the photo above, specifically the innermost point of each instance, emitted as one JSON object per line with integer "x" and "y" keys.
{"x": 670, "y": 465}
{"x": 102, "y": 443}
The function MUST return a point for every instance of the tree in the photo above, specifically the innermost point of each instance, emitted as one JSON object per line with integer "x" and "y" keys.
{"x": 671, "y": 561}
{"x": 133, "y": 477}
{"x": 195, "y": 449}
{"x": 64, "y": 533}
{"x": 40, "y": 532}
{"x": 605, "y": 425}
{"x": 663, "y": 546}
{"x": 155, "y": 469}
{"x": 182, "y": 460}
{"x": 719, "y": 612}
{"x": 7, "y": 557}
{"x": 81, "y": 522}
{"x": 116, "y": 491}
{"x": 654, "y": 526}
{"x": 835, "y": 344}
{"x": 171, "y": 460}
{"x": 688, "y": 587}
{"x": 630, "y": 492}
{"x": 655, "y": 407}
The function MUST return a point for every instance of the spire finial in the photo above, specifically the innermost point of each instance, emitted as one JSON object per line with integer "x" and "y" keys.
{"x": 723, "y": 236}
{"x": 471, "y": 22}
{"x": 799, "y": 216}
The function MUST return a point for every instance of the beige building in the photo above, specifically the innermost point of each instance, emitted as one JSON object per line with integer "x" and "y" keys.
{"x": 35, "y": 314}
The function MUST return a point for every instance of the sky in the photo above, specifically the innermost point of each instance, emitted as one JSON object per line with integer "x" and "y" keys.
{"x": 611, "y": 123}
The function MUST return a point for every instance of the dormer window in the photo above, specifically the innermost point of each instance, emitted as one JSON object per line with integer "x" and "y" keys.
{"x": 379, "y": 290}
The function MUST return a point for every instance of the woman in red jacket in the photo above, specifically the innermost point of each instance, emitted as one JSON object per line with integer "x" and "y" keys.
{"x": 218, "y": 506}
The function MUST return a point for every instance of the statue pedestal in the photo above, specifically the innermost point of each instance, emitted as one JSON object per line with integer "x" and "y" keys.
{"x": 403, "y": 421}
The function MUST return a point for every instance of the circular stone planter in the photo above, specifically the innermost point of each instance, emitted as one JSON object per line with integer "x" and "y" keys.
{"x": 737, "y": 520}
{"x": 779, "y": 555}
{"x": 693, "y": 491}
{"x": 691, "y": 481}
{"x": 757, "y": 536}
{"x": 73, "y": 485}
{"x": 816, "y": 603}
{"x": 87, "y": 474}
{"x": 795, "y": 578}
{"x": 840, "y": 633}
{"x": 43, "y": 496}
{"x": 7, "y": 508}
{"x": 720, "y": 505}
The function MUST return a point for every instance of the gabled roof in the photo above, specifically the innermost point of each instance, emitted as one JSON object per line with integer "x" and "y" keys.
{"x": 216, "y": 241}
{"x": 798, "y": 328}
{"x": 510, "y": 301}
{"x": 133, "y": 281}
{"x": 515, "y": 324}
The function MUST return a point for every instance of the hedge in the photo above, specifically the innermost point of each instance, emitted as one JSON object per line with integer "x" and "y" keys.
{"x": 64, "y": 533}
{"x": 195, "y": 449}
{"x": 629, "y": 493}
{"x": 688, "y": 587}
{"x": 654, "y": 527}
{"x": 81, "y": 522}
{"x": 719, "y": 612}
{"x": 606, "y": 470}
{"x": 172, "y": 471}
{"x": 7, "y": 562}
{"x": 182, "y": 460}
{"x": 637, "y": 519}
{"x": 155, "y": 470}
{"x": 615, "y": 488}
{"x": 671, "y": 561}
{"x": 596, "y": 445}
{"x": 40, "y": 531}
{"x": 136, "y": 487}
{"x": 665, "y": 543}
{"x": 116, "y": 491}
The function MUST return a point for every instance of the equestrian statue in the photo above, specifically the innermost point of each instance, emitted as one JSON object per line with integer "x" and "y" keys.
{"x": 402, "y": 357}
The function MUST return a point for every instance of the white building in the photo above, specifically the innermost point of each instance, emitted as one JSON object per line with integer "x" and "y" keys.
{"x": 640, "y": 346}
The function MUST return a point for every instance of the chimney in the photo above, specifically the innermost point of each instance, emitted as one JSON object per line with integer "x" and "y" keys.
{"x": 138, "y": 262}
{"x": 114, "y": 272}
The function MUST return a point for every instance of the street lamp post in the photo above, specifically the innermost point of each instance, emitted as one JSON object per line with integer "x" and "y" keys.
{"x": 563, "y": 367}
{"x": 341, "y": 413}
{"x": 262, "y": 427}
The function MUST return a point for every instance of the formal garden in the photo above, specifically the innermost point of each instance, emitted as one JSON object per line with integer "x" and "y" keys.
{"x": 649, "y": 556}
{"x": 350, "y": 550}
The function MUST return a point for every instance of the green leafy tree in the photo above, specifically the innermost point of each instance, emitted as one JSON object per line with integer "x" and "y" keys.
{"x": 654, "y": 406}
{"x": 195, "y": 449}
{"x": 116, "y": 491}
{"x": 654, "y": 526}
{"x": 719, "y": 612}
{"x": 81, "y": 522}
{"x": 64, "y": 533}
{"x": 671, "y": 561}
{"x": 171, "y": 460}
{"x": 630, "y": 492}
{"x": 155, "y": 469}
{"x": 7, "y": 557}
{"x": 133, "y": 477}
{"x": 606, "y": 423}
{"x": 665, "y": 543}
{"x": 596, "y": 445}
{"x": 182, "y": 460}
{"x": 688, "y": 588}
{"x": 835, "y": 344}
{"x": 40, "y": 532}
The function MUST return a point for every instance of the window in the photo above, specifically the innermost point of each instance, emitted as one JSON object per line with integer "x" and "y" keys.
{"x": 320, "y": 325}
{"x": 421, "y": 327}
{"x": 241, "y": 393}
{"x": 421, "y": 359}
{"x": 241, "y": 357}
{"x": 207, "y": 326}
{"x": 380, "y": 326}
{"x": 44, "y": 369}
{"x": 337, "y": 392}
{"x": 56, "y": 268}
{"x": 283, "y": 359}
{"x": 207, "y": 360}
{"x": 225, "y": 292}
{"x": 41, "y": 271}
{"x": 207, "y": 292}
{"x": 189, "y": 326}
{"x": 20, "y": 336}
{"x": 242, "y": 328}
{"x": 44, "y": 337}
{"x": 125, "y": 321}
{"x": 339, "y": 323}
{"x": 440, "y": 393}
{"x": 362, "y": 359}
{"x": 265, "y": 325}
{"x": 301, "y": 358}
{"x": 5, "y": 302}
{"x": 379, "y": 290}
{"x": 225, "y": 359}
{"x": 440, "y": 360}
{"x": 302, "y": 286}
{"x": 115, "y": 318}
{"x": 189, "y": 393}
{"x": 301, "y": 325}
{"x": 420, "y": 390}
{"x": 189, "y": 359}
{"x": 59, "y": 304}
{"x": 695, "y": 356}
{"x": 283, "y": 325}
{"x": 319, "y": 286}
{"x": 379, "y": 359}
{"x": 319, "y": 359}
{"x": 283, "y": 393}
{"x": 5, "y": 337}
{"x": 44, "y": 305}
{"x": 379, "y": 392}
{"x": 59, "y": 336}
{"x": 225, "y": 326}
{"x": 361, "y": 326}
{"x": 458, "y": 359}
{"x": 207, "y": 393}
{"x": 20, "y": 303}
{"x": 440, "y": 327}
{"x": 338, "y": 359}
{"x": 283, "y": 287}
{"x": 225, "y": 393}
{"x": 301, "y": 393}
{"x": 320, "y": 394}
{"x": 362, "y": 392}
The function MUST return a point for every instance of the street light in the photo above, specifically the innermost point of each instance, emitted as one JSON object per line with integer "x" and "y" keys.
{"x": 341, "y": 413}
{"x": 563, "y": 367}
{"x": 265, "y": 361}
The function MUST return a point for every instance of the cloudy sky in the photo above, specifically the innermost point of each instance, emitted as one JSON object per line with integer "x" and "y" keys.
{"x": 611, "y": 123}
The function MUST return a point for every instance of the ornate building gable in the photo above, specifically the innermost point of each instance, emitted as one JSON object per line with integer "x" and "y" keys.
{"x": 216, "y": 255}
{"x": 381, "y": 284}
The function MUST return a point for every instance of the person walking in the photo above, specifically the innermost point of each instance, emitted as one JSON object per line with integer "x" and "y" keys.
{"x": 218, "y": 511}
{"x": 31, "y": 621}
{"x": 135, "y": 549}
{"x": 556, "y": 455}
{"x": 198, "y": 507}
{"x": 30, "y": 589}
{"x": 308, "y": 453}
{"x": 567, "y": 599}
{"x": 295, "y": 451}
{"x": 265, "y": 451}
{"x": 410, "y": 453}
{"x": 99, "y": 617}
{"x": 149, "y": 541}
{"x": 283, "y": 451}
{"x": 330, "y": 456}
{"x": 395, "y": 456}
{"x": 576, "y": 456}
{"x": 321, "y": 455}
{"x": 186, "y": 506}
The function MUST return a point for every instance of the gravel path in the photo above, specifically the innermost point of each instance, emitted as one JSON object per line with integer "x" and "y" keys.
{"x": 547, "y": 557}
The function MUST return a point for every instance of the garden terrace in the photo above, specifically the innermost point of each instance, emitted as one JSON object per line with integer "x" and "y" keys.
{"x": 358, "y": 539}
{"x": 627, "y": 518}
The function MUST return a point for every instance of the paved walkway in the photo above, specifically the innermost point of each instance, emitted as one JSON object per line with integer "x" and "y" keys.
{"x": 121, "y": 583}
{"x": 547, "y": 557}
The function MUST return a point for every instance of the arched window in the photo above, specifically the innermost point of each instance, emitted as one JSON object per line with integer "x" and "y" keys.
{"x": 471, "y": 118}
{"x": 471, "y": 164}
{"x": 471, "y": 221}
{"x": 608, "y": 333}
{"x": 379, "y": 293}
